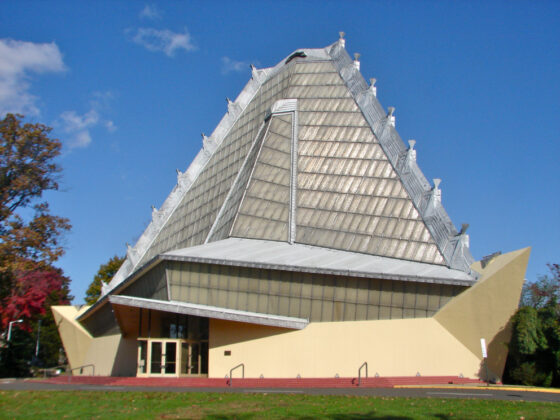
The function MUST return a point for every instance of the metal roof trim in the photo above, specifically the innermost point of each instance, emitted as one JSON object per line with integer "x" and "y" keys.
{"x": 125, "y": 282}
{"x": 440, "y": 226}
{"x": 439, "y": 223}
{"x": 257, "y": 250}
{"x": 186, "y": 180}
{"x": 210, "y": 145}
{"x": 211, "y": 312}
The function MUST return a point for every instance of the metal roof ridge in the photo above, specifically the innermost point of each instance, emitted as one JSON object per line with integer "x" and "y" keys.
{"x": 450, "y": 244}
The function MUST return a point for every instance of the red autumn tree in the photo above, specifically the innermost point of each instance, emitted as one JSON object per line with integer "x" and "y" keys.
{"x": 29, "y": 234}
{"x": 29, "y": 242}
{"x": 33, "y": 293}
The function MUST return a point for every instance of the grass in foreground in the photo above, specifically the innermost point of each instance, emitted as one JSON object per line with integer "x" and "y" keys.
{"x": 149, "y": 405}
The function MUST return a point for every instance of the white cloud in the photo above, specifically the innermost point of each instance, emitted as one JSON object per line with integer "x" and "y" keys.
{"x": 150, "y": 11}
{"x": 110, "y": 126}
{"x": 17, "y": 60}
{"x": 81, "y": 139}
{"x": 78, "y": 127}
{"x": 163, "y": 40}
{"x": 229, "y": 65}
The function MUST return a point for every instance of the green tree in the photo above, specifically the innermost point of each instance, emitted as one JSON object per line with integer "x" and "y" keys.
{"x": 545, "y": 291}
{"x": 29, "y": 239}
{"x": 534, "y": 349}
{"x": 104, "y": 275}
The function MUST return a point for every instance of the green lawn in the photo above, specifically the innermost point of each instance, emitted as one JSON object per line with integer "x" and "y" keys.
{"x": 171, "y": 405}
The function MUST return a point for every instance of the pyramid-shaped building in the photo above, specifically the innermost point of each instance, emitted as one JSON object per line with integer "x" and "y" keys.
{"x": 302, "y": 240}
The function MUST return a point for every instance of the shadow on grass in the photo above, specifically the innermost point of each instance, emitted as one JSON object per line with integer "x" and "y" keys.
{"x": 348, "y": 416}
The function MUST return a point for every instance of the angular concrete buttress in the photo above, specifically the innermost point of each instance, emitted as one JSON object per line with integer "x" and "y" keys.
{"x": 485, "y": 309}
{"x": 75, "y": 338}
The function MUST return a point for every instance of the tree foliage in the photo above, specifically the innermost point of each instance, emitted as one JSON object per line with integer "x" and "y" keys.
{"x": 27, "y": 170}
{"x": 545, "y": 291}
{"x": 104, "y": 275}
{"x": 534, "y": 349}
{"x": 29, "y": 239}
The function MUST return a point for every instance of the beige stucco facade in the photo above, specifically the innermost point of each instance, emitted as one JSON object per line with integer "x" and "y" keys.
{"x": 443, "y": 345}
{"x": 75, "y": 338}
{"x": 446, "y": 344}
{"x": 485, "y": 309}
{"x": 110, "y": 355}
{"x": 400, "y": 347}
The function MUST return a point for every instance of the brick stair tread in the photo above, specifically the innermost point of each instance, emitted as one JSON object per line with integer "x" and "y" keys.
{"x": 371, "y": 382}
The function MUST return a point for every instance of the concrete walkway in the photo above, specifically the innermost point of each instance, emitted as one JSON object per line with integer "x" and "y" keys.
{"x": 492, "y": 392}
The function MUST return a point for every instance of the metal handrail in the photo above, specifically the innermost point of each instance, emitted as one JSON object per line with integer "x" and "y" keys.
{"x": 241, "y": 365}
{"x": 360, "y": 373}
{"x": 81, "y": 367}
{"x": 53, "y": 367}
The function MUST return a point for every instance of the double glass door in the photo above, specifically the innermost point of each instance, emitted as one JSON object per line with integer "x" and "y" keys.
{"x": 172, "y": 357}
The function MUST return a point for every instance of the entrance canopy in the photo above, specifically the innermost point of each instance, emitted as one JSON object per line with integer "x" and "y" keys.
{"x": 210, "y": 312}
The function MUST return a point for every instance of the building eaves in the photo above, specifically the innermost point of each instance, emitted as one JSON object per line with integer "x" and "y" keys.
{"x": 453, "y": 245}
{"x": 262, "y": 254}
{"x": 210, "y": 312}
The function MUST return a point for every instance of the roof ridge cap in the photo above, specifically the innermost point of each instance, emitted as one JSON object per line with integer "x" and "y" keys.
{"x": 439, "y": 225}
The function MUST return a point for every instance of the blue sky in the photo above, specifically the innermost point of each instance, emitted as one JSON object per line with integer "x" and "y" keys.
{"x": 129, "y": 87}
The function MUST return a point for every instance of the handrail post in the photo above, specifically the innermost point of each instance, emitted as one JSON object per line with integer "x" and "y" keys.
{"x": 70, "y": 370}
{"x": 242, "y": 366}
{"x": 360, "y": 373}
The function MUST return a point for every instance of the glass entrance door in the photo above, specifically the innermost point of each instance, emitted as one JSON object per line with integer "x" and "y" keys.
{"x": 194, "y": 358}
{"x": 172, "y": 357}
{"x": 157, "y": 357}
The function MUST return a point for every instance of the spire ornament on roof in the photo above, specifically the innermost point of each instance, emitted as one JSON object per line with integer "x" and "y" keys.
{"x": 257, "y": 75}
{"x": 391, "y": 116}
{"x": 341, "y": 39}
{"x": 462, "y": 244}
{"x": 232, "y": 107}
{"x": 184, "y": 179}
{"x": 436, "y": 192}
{"x": 208, "y": 143}
{"x": 357, "y": 61}
{"x": 131, "y": 254}
{"x": 434, "y": 199}
{"x": 372, "y": 87}
{"x": 411, "y": 152}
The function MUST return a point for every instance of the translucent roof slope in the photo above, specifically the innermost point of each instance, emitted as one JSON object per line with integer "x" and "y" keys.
{"x": 341, "y": 178}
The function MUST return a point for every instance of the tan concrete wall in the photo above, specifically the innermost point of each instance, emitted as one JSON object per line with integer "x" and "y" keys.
{"x": 484, "y": 310}
{"x": 75, "y": 338}
{"x": 391, "y": 348}
{"x": 111, "y": 355}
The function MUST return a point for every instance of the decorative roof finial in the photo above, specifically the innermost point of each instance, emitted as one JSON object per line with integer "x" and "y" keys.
{"x": 357, "y": 61}
{"x": 341, "y": 39}
{"x": 230, "y": 105}
{"x": 131, "y": 254}
{"x": 464, "y": 227}
{"x": 372, "y": 87}
{"x": 411, "y": 154}
{"x": 391, "y": 115}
